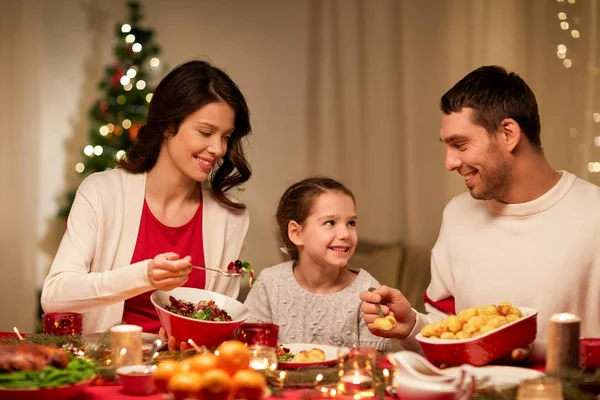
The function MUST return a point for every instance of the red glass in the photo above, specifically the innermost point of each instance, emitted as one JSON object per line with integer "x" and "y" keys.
{"x": 258, "y": 334}
{"x": 63, "y": 324}
{"x": 589, "y": 353}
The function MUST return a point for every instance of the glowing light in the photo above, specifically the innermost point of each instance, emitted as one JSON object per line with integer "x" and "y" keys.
{"x": 154, "y": 63}
{"x": 564, "y": 25}
{"x": 131, "y": 72}
{"x": 567, "y": 63}
{"x": 126, "y": 124}
{"x": 130, "y": 39}
{"x": 121, "y": 99}
{"x": 575, "y": 34}
{"x": 125, "y": 28}
{"x": 596, "y": 117}
{"x": 98, "y": 150}
{"x": 597, "y": 141}
{"x": 110, "y": 127}
{"x": 136, "y": 47}
{"x": 104, "y": 130}
{"x": 79, "y": 167}
{"x": 124, "y": 80}
{"x": 88, "y": 150}
{"x": 128, "y": 87}
{"x": 562, "y": 16}
{"x": 140, "y": 85}
{"x": 149, "y": 97}
{"x": 120, "y": 154}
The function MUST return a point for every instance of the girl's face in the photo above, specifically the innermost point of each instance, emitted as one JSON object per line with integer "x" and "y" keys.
{"x": 328, "y": 236}
{"x": 201, "y": 140}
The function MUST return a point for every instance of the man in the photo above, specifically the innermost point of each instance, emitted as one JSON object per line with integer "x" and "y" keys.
{"x": 525, "y": 234}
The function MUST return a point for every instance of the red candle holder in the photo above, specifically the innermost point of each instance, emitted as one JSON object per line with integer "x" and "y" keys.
{"x": 258, "y": 334}
{"x": 63, "y": 323}
{"x": 261, "y": 339}
{"x": 589, "y": 353}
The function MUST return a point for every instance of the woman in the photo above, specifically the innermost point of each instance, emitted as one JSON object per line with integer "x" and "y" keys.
{"x": 140, "y": 227}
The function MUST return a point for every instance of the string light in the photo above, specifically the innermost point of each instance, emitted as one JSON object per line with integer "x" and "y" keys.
{"x": 98, "y": 150}
{"x": 567, "y": 63}
{"x": 110, "y": 127}
{"x": 136, "y": 47}
{"x": 129, "y": 38}
{"x": 125, "y": 28}
{"x": 149, "y": 97}
{"x": 131, "y": 72}
{"x": 88, "y": 150}
{"x": 120, "y": 154}
{"x": 121, "y": 99}
{"x": 562, "y": 16}
{"x": 597, "y": 141}
{"x": 79, "y": 167}
{"x": 140, "y": 84}
{"x": 126, "y": 124}
{"x": 154, "y": 63}
{"x": 128, "y": 87}
{"x": 125, "y": 80}
{"x": 596, "y": 117}
{"x": 575, "y": 34}
{"x": 104, "y": 130}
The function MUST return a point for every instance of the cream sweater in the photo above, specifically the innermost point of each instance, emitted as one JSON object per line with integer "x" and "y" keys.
{"x": 91, "y": 272}
{"x": 304, "y": 317}
{"x": 543, "y": 254}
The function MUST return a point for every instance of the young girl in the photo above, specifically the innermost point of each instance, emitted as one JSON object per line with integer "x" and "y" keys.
{"x": 314, "y": 298}
{"x": 139, "y": 227}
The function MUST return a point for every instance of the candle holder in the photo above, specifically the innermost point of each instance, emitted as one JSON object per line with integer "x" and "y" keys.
{"x": 540, "y": 389}
{"x": 63, "y": 323}
{"x": 261, "y": 339}
{"x": 126, "y": 345}
{"x": 356, "y": 372}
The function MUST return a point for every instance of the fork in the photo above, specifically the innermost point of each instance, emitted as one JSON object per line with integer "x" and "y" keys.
{"x": 377, "y": 305}
{"x": 228, "y": 274}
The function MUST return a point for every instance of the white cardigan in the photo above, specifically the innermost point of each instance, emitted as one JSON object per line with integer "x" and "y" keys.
{"x": 91, "y": 272}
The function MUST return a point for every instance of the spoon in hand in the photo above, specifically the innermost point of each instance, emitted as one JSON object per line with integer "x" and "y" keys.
{"x": 383, "y": 323}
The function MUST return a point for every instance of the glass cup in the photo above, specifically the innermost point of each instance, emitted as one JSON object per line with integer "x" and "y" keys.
{"x": 63, "y": 323}
{"x": 356, "y": 371}
{"x": 540, "y": 389}
{"x": 261, "y": 339}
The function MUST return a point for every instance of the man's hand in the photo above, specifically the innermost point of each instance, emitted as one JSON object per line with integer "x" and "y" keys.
{"x": 392, "y": 302}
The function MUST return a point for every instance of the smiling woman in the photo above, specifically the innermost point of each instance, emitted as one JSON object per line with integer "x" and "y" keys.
{"x": 141, "y": 226}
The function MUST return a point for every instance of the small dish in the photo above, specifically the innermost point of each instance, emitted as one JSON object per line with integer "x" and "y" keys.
{"x": 137, "y": 379}
{"x": 331, "y": 355}
{"x": 485, "y": 348}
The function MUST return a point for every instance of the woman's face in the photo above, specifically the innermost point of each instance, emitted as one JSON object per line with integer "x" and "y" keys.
{"x": 201, "y": 140}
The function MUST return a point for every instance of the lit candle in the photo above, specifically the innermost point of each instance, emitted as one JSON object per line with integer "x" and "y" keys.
{"x": 126, "y": 345}
{"x": 563, "y": 342}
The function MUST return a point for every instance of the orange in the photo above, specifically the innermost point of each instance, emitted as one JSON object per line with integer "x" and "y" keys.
{"x": 248, "y": 384}
{"x": 216, "y": 385}
{"x": 233, "y": 356}
{"x": 185, "y": 384}
{"x": 202, "y": 362}
{"x": 163, "y": 373}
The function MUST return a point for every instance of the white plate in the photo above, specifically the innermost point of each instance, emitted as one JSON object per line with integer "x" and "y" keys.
{"x": 331, "y": 355}
{"x": 500, "y": 376}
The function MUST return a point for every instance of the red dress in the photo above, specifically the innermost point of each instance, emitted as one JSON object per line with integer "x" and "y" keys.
{"x": 155, "y": 238}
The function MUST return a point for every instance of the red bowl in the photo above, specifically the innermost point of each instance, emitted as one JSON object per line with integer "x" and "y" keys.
{"x": 203, "y": 333}
{"x": 483, "y": 349}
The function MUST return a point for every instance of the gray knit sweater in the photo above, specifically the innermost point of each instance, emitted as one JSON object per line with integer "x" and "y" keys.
{"x": 304, "y": 317}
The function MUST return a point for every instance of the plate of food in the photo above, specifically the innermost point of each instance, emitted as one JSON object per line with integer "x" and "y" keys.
{"x": 479, "y": 335}
{"x": 304, "y": 355}
{"x": 32, "y": 371}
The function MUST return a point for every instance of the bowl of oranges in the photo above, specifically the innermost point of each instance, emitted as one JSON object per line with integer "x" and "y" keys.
{"x": 222, "y": 375}
{"x": 206, "y": 317}
{"x": 479, "y": 335}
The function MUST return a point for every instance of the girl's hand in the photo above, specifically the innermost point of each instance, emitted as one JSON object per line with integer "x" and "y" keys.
{"x": 166, "y": 271}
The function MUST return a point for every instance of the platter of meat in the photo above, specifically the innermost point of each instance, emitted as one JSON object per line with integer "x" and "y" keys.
{"x": 32, "y": 371}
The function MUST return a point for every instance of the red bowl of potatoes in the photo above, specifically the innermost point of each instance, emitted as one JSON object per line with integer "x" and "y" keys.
{"x": 478, "y": 336}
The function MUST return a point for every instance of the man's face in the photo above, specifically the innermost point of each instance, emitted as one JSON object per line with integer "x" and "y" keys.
{"x": 475, "y": 155}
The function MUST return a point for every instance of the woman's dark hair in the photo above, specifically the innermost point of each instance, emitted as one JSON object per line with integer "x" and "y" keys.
{"x": 495, "y": 94}
{"x": 182, "y": 92}
{"x": 297, "y": 203}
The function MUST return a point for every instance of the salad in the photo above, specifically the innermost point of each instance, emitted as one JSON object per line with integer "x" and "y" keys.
{"x": 206, "y": 310}
{"x": 284, "y": 354}
{"x": 241, "y": 267}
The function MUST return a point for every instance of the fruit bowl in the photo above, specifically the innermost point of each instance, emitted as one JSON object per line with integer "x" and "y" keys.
{"x": 485, "y": 348}
{"x": 203, "y": 333}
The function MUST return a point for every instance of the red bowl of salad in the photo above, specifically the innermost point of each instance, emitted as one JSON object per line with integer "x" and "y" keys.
{"x": 208, "y": 318}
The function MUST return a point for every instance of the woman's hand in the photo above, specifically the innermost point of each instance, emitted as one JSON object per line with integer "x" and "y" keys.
{"x": 172, "y": 341}
{"x": 167, "y": 272}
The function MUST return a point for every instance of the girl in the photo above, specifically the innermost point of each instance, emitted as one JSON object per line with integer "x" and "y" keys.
{"x": 314, "y": 298}
{"x": 139, "y": 227}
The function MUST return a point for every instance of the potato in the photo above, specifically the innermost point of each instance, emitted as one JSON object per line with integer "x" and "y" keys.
{"x": 490, "y": 310}
{"x": 512, "y": 317}
{"x": 447, "y": 335}
{"x": 428, "y": 330}
{"x": 454, "y": 324}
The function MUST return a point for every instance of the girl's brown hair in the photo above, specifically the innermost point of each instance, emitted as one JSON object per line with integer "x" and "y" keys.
{"x": 297, "y": 202}
{"x": 182, "y": 92}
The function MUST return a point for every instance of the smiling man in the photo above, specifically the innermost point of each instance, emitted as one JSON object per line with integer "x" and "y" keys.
{"x": 524, "y": 233}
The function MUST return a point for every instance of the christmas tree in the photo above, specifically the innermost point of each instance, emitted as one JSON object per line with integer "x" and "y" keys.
{"x": 126, "y": 92}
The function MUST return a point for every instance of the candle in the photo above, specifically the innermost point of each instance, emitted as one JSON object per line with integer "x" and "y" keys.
{"x": 542, "y": 389}
{"x": 563, "y": 342}
{"x": 126, "y": 345}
